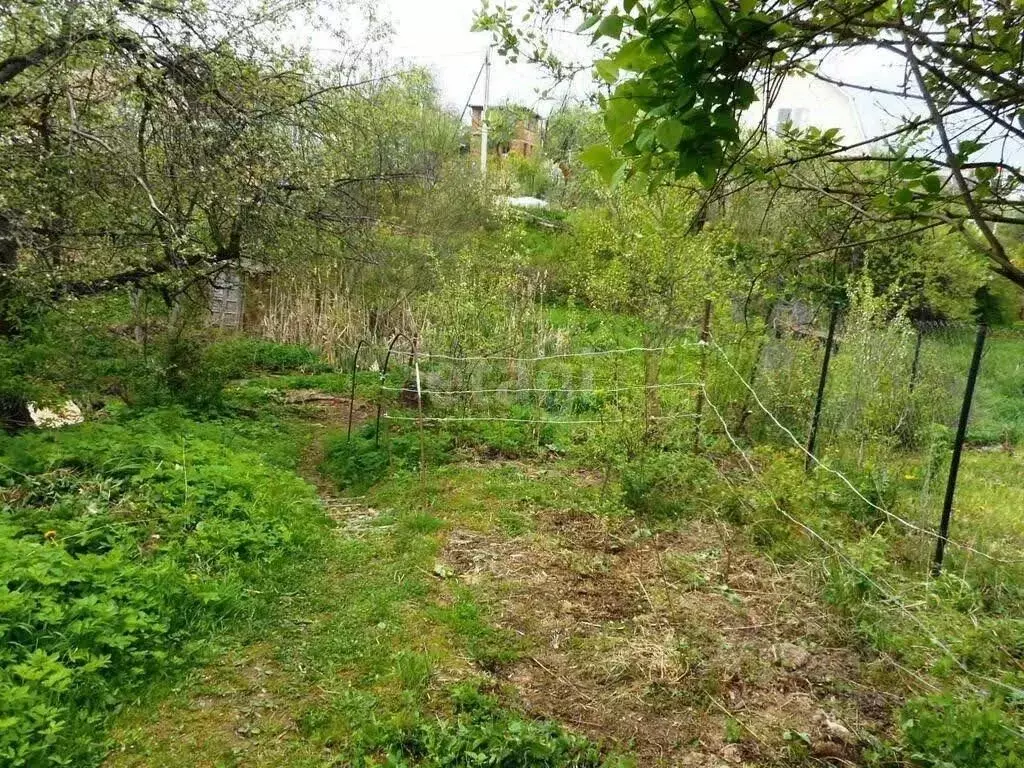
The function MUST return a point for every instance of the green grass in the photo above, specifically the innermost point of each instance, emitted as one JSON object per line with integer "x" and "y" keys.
{"x": 139, "y": 547}
{"x": 126, "y": 545}
{"x": 365, "y": 651}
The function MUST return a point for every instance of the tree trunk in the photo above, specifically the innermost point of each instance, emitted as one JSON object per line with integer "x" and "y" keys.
{"x": 14, "y": 413}
{"x": 8, "y": 262}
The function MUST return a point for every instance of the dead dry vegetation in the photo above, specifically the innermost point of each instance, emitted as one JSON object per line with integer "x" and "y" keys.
{"x": 679, "y": 645}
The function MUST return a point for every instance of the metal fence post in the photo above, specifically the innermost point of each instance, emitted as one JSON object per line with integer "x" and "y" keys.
{"x": 383, "y": 378}
{"x": 705, "y": 335}
{"x": 915, "y": 368}
{"x": 352, "y": 390}
{"x": 819, "y": 401}
{"x": 958, "y": 447}
{"x": 419, "y": 410}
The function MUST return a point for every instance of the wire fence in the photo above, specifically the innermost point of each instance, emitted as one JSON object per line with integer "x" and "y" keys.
{"x": 880, "y": 407}
{"x": 875, "y": 408}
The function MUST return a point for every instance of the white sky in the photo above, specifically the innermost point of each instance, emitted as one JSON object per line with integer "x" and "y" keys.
{"x": 436, "y": 34}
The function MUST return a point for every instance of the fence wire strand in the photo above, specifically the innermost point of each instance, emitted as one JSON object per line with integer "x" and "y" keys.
{"x": 559, "y": 356}
{"x": 550, "y": 390}
{"x": 464, "y": 419}
{"x": 888, "y": 593}
{"x": 845, "y": 480}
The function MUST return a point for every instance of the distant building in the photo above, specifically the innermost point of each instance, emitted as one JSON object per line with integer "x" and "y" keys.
{"x": 803, "y": 102}
{"x": 525, "y": 138}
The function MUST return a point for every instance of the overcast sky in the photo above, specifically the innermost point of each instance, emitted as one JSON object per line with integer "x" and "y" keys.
{"x": 436, "y": 34}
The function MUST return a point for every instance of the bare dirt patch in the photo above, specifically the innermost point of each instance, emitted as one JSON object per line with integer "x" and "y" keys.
{"x": 329, "y": 409}
{"x": 681, "y": 646}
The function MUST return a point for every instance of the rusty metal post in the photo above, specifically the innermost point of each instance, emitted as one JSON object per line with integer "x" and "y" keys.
{"x": 383, "y": 375}
{"x": 705, "y": 335}
{"x": 822, "y": 382}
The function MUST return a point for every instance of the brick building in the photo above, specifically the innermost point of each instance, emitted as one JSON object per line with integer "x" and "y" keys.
{"x": 525, "y": 138}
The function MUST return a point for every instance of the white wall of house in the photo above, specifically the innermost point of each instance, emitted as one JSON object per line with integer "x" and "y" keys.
{"x": 805, "y": 102}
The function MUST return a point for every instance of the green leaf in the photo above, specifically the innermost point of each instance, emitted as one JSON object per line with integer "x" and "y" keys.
{"x": 708, "y": 175}
{"x": 686, "y": 165}
{"x": 725, "y": 122}
{"x": 903, "y": 195}
{"x": 589, "y": 22}
{"x": 634, "y": 56}
{"x": 745, "y": 94}
{"x": 969, "y": 147}
{"x": 685, "y": 97}
{"x": 985, "y": 173}
{"x": 670, "y": 133}
{"x": 596, "y": 156}
{"x": 932, "y": 184}
{"x": 645, "y": 138}
{"x": 599, "y": 158}
{"x": 610, "y": 27}
{"x": 747, "y": 6}
{"x": 619, "y": 114}
{"x": 607, "y": 70}
{"x": 911, "y": 171}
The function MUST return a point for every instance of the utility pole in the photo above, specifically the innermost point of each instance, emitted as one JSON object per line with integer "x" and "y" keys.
{"x": 483, "y": 114}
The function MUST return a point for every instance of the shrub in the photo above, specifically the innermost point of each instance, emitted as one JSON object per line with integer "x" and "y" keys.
{"x": 509, "y": 439}
{"x": 669, "y": 483}
{"x": 360, "y": 463}
{"x": 481, "y": 733}
{"x": 242, "y": 356}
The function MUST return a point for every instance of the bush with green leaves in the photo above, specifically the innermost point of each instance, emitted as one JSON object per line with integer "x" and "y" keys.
{"x": 123, "y": 545}
{"x": 670, "y": 483}
{"x": 947, "y": 732}
{"x": 359, "y": 462}
{"x": 240, "y": 356}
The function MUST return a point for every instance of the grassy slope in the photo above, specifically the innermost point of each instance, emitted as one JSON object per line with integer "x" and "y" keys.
{"x": 409, "y": 612}
{"x": 130, "y": 544}
{"x": 527, "y": 581}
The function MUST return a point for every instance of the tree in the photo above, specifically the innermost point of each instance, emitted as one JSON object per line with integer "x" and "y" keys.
{"x": 150, "y": 145}
{"x": 680, "y": 74}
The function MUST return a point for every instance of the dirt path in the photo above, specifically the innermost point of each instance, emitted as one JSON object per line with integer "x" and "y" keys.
{"x": 247, "y": 707}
